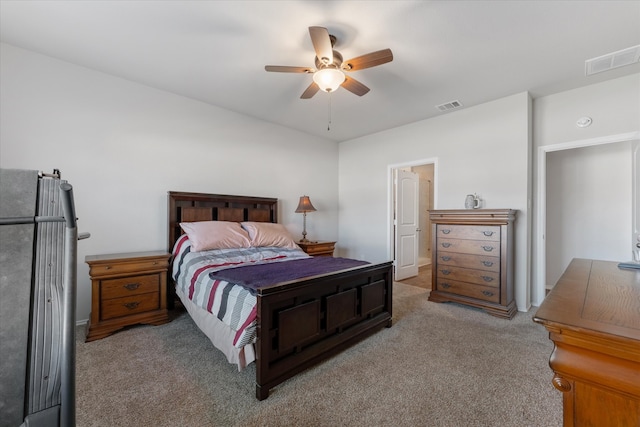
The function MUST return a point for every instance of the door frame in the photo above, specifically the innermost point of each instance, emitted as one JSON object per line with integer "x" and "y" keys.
{"x": 390, "y": 193}
{"x": 539, "y": 289}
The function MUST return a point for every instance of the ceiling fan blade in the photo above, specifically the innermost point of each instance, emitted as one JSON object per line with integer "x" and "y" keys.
{"x": 310, "y": 91}
{"x": 369, "y": 60}
{"x": 287, "y": 69}
{"x": 354, "y": 86}
{"x": 322, "y": 44}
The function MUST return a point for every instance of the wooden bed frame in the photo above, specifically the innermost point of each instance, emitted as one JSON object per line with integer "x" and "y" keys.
{"x": 302, "y": 322}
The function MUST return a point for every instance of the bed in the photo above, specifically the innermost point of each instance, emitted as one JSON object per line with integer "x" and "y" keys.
{"x": 285, "y": 327}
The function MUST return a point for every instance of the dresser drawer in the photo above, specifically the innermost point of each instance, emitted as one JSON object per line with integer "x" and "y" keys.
{"x": 476, "y": 247}
{"x": 126, "y": 306}
{"x": 126, "y": 286}
{"x": 480, "y": 262}
{"x": 484, "y": 293}
{"x": 479, "y": 277}
{"x": 471, "y": 232}
{"x": 118, "y": 267}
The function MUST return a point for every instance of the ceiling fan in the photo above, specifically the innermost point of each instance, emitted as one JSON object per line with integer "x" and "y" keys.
{"x": 329, "y": 72}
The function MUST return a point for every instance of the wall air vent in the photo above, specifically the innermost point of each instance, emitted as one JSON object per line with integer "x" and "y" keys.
{"x": 613, "y": 60}
{"x": 448, "y": 106}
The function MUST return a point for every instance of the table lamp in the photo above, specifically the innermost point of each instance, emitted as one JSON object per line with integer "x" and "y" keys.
{"x": 304, "y": 206}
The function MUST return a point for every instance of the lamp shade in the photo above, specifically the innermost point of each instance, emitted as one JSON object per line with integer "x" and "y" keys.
{"x": 328, "y": 79}
{"x": 304, "y": 205}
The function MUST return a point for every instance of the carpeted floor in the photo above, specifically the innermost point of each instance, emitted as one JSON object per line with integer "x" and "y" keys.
{"x": 422, "y": 280}
{"x": 439, "y": 365}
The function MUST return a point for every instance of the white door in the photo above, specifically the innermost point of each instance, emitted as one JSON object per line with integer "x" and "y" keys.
{"x": 406, "y": 223}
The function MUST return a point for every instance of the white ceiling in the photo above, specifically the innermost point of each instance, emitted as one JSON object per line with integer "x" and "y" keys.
{"x": 215, "y": 51}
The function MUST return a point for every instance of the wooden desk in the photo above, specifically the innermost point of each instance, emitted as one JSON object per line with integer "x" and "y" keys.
{"x": 593, "y": 318}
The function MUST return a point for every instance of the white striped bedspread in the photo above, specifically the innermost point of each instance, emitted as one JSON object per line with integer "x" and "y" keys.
{"x": 232, "y": 304}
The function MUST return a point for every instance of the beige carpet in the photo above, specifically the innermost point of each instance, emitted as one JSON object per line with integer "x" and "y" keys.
{"x": 439, "y": 365}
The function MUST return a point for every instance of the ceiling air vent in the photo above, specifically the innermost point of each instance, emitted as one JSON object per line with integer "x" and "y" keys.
{"x": 448, "y": 106}
{"x": 613, "y": 60}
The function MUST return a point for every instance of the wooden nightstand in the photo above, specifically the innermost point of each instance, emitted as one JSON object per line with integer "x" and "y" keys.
{"x": 127, "y": 289}
{"x": 318, "y": 248}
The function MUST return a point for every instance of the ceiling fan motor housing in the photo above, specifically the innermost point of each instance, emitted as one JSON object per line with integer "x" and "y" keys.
{"x": 337, "y": 61}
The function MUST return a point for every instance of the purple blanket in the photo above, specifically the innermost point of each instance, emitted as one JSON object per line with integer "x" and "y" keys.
{"x": 257, "y": 276}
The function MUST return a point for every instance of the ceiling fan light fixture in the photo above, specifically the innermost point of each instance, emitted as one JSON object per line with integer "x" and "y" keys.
{"x": 329, "y": 79}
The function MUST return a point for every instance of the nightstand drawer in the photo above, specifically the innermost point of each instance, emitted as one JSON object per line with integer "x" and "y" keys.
{"x": 127, "y": 286}
{"x": 116, "y": 268}
{"x": 126, "y": 306}
{"x": 318, "y": 248}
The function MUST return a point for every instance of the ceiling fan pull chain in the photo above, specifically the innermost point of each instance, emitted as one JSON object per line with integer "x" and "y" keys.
{"x": 329, "y": 124}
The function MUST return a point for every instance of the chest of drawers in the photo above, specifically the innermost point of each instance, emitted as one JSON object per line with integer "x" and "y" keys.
{"x": 127, "y": 289}
{"x": 472, "y": 260}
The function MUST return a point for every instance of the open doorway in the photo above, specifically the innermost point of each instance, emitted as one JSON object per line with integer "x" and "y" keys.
{"x": 540, "y": 284}
{"x": 426, "y": 171}
{"x": 425, "y": 203}
{"x": 589, "y": 205}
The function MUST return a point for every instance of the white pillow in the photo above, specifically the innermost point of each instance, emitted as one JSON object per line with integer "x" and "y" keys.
{"x": 269, "y": 234}
{"x": 206, "y": 235}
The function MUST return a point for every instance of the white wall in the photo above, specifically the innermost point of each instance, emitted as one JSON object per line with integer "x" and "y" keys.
{"x": 123, "y": 146}
{"x": 613, "y": 105}
{"x": 483, "y": 149}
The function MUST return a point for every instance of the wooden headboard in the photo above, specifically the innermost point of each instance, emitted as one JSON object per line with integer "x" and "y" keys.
{"x": 190, "y": 207}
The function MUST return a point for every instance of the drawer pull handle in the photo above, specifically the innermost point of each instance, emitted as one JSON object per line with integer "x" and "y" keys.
{"x": 445, "y": 258}
{"x": 446, "y": 245}
{"x": 488, "y": 233}
{"x": 445, "y": 285}
{"x": 132, "y": 286}
{"x": 487, "y": 263}
{"x": 107, "y": 267}
{"x": 446, "y": 231}
{"x": 487, "y": 248}
{"x": 132, "y": 305}
{"x": 487, "y": 293}
{"x": 487, "y": 278}
{"x": 445, "y": 272}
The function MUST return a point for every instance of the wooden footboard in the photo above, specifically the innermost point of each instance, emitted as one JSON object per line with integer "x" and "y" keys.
{"x": 304, "y": 322}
